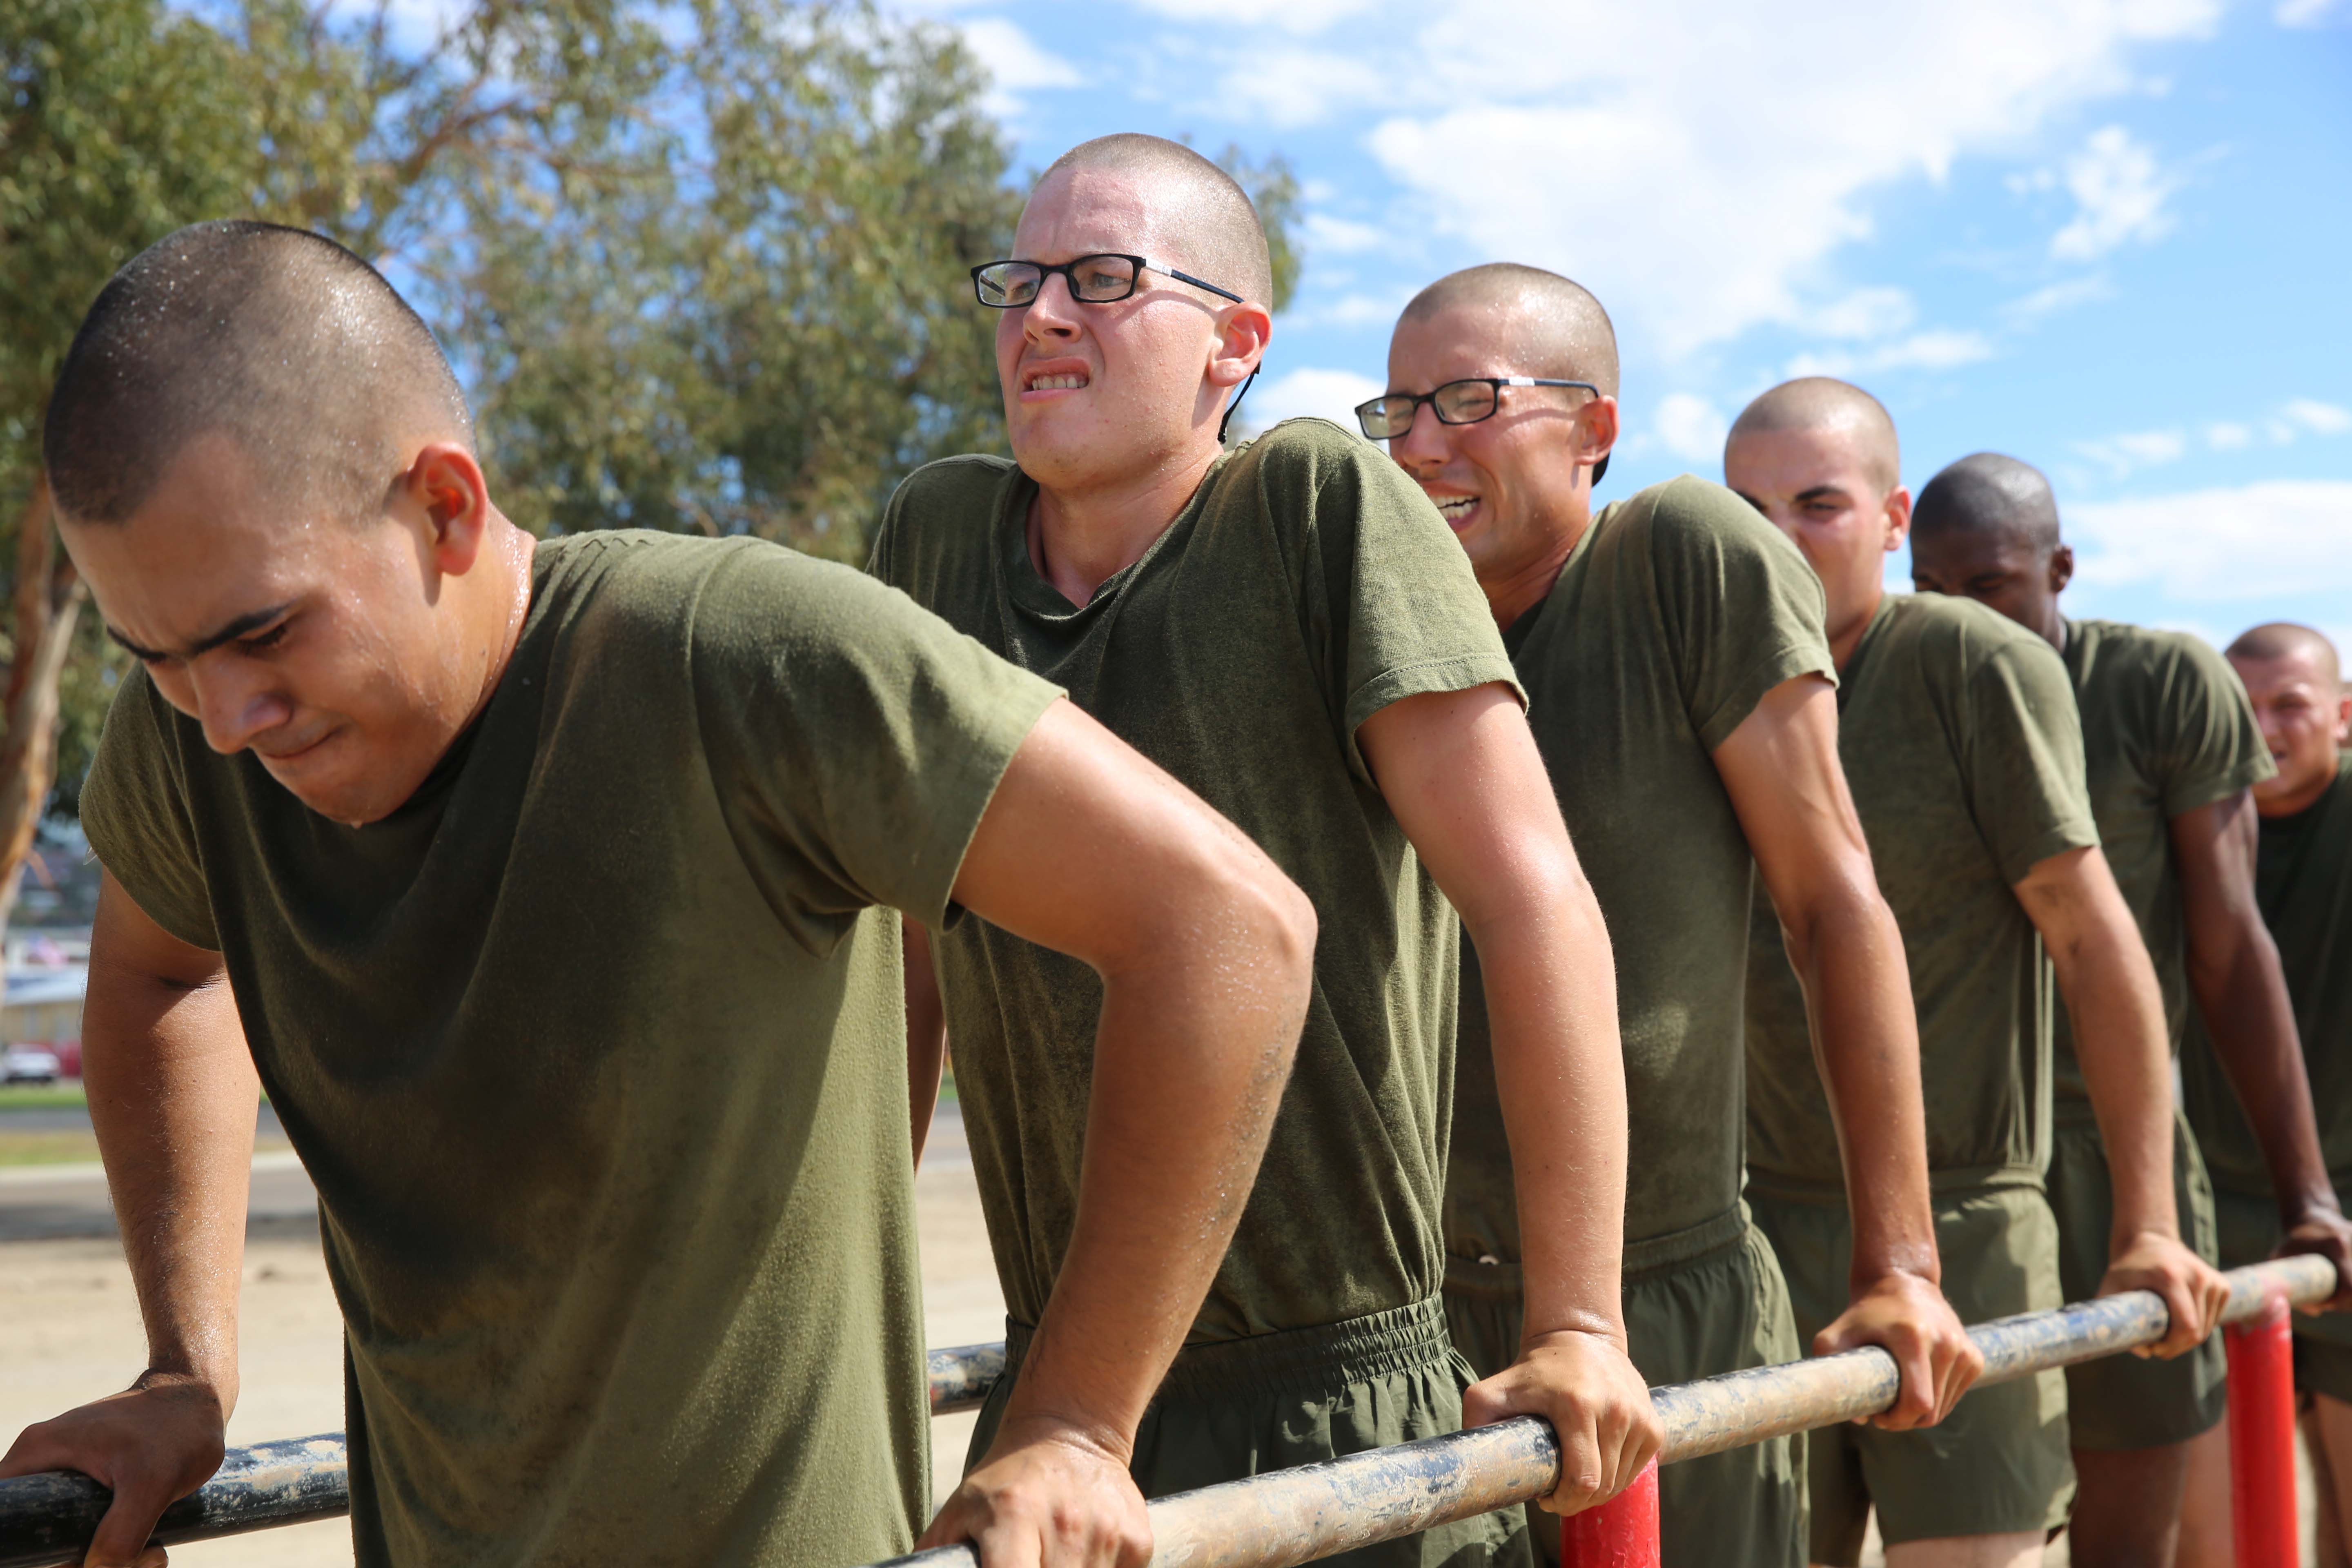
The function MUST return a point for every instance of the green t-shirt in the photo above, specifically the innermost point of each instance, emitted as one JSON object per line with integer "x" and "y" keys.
{"x": 1958, "y": 729}
{"x": 595, "y": 1049}
{"x": 1676, "y": 612}
{"x": 1308, "y": 584}
{"x": 2304, "y": 880}
{"x": 2167, "y": 729}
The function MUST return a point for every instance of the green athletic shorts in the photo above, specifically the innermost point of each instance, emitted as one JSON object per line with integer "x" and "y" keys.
{"x": 1240, "y": 1407}
{"x": 2125, "y": 1401}
{"x": 1999, "y": 1462}
{"x": 2249, "y": 1228}
{"x": 1697, "y": 1302}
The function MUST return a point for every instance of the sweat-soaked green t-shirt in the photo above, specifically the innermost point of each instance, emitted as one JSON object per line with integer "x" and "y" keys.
{"x": 1676, "y": 613}
{"x": 595, "y": 1049}
{"x": 1958, "y": 729}
{"x": 2166, "y": 729}
{"x": 2302, "y": 879}
{"x": 1306, "y": 585}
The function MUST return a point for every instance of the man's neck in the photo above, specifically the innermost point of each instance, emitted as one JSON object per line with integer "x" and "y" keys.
{"x": 1846, "y": 636}
{"x": 1512, "y": 593}
{"x": 504, "y": 566}
{"x": 1082, "y": 536}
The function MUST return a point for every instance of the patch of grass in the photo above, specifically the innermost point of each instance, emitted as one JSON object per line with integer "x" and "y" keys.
{"x": 946, "y": 1088}
{"x": 60, "y": 1095}
{"x": 46, "y": 1148}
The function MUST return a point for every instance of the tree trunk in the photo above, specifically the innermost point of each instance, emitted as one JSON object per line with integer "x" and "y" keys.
{"x": 49, "y": 600}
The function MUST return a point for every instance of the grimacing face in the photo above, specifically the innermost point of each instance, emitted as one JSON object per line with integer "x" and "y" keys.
{"x": 2306, "y": 718}
{"x": 1094, "y": 392}
{"x": 1815, "y": 486}
{"x": 1997, "y": 569}
{"x": 310, "y": 641}
{"x": 1507, "y": 485}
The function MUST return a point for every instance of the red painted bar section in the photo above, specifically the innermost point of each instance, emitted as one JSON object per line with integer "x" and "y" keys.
{"x": 1621, "y": 1533}
{"x": 2261, "y": 1436}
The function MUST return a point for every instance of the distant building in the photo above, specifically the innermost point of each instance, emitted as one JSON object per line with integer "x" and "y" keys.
{"x": 43, "y": 1008}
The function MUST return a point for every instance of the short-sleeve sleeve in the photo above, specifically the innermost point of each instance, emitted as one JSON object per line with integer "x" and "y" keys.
{"x": 1402, "y": 611}
{"x": 2024, "y": 759}
{"x": 2214, "y": 747}
{"x": 134, "y": 809}
{"x": 1742, "y": 608}
{"x": 855, "y": 739}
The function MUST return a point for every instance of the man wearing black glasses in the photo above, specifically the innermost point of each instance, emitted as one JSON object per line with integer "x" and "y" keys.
{"x": 1287, "y": 627}
{"x": 1682, "y": 693}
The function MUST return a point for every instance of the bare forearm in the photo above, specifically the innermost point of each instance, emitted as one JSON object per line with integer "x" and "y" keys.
{"x": 1189, "y": 1067}
{"x": 2113, "y": 1004}
{"x": 172, "y": 1097}
{"x": 1552, "y": 1007}
{"x": 2252, "y": 1024}
{"x": 1849, "y": 953}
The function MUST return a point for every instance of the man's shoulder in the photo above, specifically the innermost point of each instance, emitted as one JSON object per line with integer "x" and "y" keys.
{"x": 2172, "y": 666}
{"x": 953, "y": 482}
{"x": 1294, "y": 461}
{"x": 1952, "y": 642}
{"x": 634, "y": 586}
{"x": 1688, "y": 513}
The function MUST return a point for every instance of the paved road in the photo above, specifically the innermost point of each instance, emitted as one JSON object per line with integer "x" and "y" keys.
{"x": 47, "y": 1202}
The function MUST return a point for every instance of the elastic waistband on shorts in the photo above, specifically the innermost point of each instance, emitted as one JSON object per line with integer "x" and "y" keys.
{"x": 1960, "y": 1181}
{"x": 1327, "y": 1357}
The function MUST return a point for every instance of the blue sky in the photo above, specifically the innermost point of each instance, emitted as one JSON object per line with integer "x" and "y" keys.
{"x": 2112, "y": 237}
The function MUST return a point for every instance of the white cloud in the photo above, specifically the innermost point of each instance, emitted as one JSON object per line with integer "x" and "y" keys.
{"x": 1658, "y": 155}
{"x": 1940, "y": 349}
{"x": 1014, "y": 63}
{"x": 2276, "y": 538}
{"x": 2319, "y": 419}
{"x": 1324, "y": 394}
{"x": 1326, "y": 234}
{"x": 1864, "y": 313}
{"x": 1692, "y": 427}
{"x": 2063, "y": 295}
{"x": 2229, "y": 436}
{"x": 2119, "y": 193}
{"x": 1298, "y": 18}
{"x": 2302, "y": 13}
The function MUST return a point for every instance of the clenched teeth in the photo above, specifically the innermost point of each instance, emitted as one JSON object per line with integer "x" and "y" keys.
{"x": 1056, "y": 383}
{"x": 1453, "y": 507}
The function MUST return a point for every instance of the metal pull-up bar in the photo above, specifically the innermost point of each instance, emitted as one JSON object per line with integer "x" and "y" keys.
{"x": 1293, "y": 1516}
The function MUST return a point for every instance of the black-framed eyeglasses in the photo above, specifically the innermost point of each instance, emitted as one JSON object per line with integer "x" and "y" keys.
{"x": 1093, "y": 280}
{"x": 1464, "y": 402}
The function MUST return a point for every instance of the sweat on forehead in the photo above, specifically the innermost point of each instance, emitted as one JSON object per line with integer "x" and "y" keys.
{"x": 1551, "y": 326}
{"x": 1821, "y": 402}
{"x": 1987, "y": 494}
{"x": 1202, "y": 218}
{"x": 287, "y": 342}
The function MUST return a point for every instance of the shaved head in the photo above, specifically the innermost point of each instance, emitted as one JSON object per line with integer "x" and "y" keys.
{"x": 288, "y": 343}
{"x": 1987, "y": 494}
{"x": 2285, "y": 639}
{"x": 1552, "y": 327}
{"x": 1820, "y": 403}
{"x": 1210, "y": 224}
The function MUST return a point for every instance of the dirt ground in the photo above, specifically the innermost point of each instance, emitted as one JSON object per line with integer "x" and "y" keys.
{"x": 71, "y": 1328}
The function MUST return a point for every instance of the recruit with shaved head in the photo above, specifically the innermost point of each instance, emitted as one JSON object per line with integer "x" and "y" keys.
{"x": 551, "y": 889}
{"x": 1961, "y": 745}
{"x": 2173, "y": 757}
{"x": 1286, "y": 626}
{"x": 1683, "y": 696}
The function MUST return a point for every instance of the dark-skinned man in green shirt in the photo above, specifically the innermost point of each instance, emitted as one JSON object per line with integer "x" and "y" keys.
{"x": 1681, "y": 690}
{"x": 2170, "y": 751}
{"x": 1961, "y": 744}
{"x": 1286, "y": 626}
{"x": 2303, "y": 879}
{"x": 551, "y": 891}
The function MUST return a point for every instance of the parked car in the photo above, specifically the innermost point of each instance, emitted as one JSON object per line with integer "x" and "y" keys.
{"x": 29, "y": 1064}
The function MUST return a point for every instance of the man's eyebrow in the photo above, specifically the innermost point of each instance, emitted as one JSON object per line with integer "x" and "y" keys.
{"x": 204, "y": 645}
{"x": 1820, "y": 492}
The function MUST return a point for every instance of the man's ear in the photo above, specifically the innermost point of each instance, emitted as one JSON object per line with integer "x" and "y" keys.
{"x": 1595, "y": 431}
{"x": 445, "y": 494}
{"x": 1243, "y": 332}
{"x": 1898, "y": 517}
{"x": 2344, "y": 720}
{"x": 2062, "y": 568}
